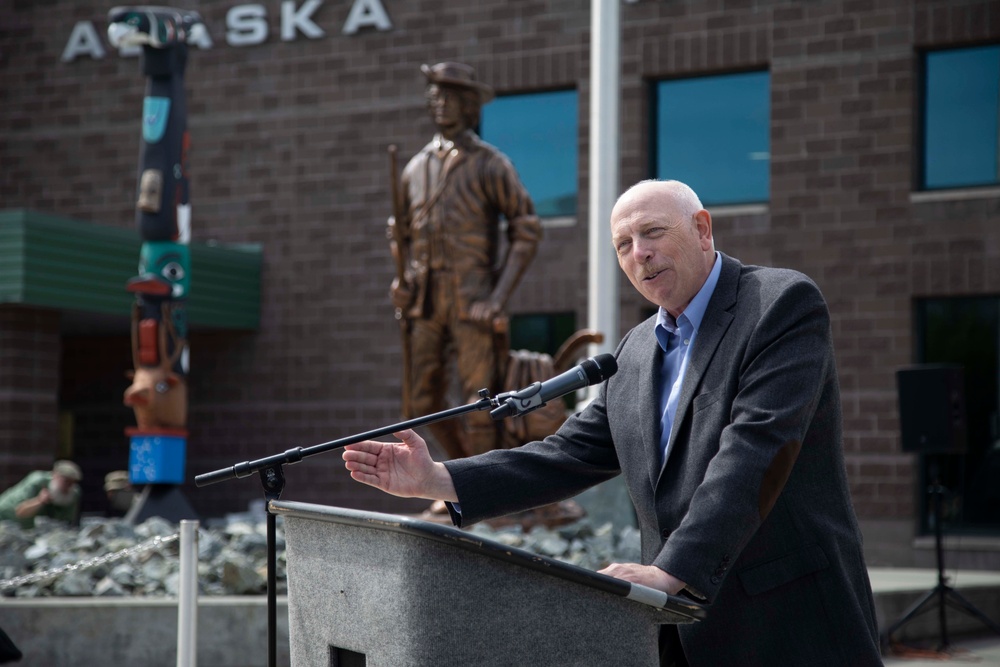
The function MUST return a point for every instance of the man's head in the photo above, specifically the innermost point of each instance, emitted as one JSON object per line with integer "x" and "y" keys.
{"x": 663, "y": 238}
{"x": 117, "y": 480}
{"x": 454, "y": 97}
{"x": 119, "y": 490}
{"x": 65, "y": 476}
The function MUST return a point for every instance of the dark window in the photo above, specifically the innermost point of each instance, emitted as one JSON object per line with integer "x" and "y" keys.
{"x": 541, "y": 332}
{"x": 713, "y": 133}
{"x": 538, "y": 132}
{"x": 965, "y": 331}
{"x": 961, "y": 111}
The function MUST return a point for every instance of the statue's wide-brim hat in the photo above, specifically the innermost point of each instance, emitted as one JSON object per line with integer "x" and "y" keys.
{"x": 460, "y": 75}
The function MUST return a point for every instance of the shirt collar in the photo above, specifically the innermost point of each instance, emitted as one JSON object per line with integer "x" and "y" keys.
{"x": 465, "y": 140}
{"x": 694, "y": 312}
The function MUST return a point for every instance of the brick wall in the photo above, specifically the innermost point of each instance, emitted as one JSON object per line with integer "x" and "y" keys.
{"x": 29, "y": 383}
{"x": 289, "y": 150}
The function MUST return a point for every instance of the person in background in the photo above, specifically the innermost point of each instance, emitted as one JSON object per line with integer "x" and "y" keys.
{"x": 119, "y": 491}
{"x": 724, "y": 419}
{"x": 54, "y": 494}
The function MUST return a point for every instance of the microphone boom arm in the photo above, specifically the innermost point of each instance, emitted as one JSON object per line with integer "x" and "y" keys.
{"x": 296, "y": 454}
{"x": 507, "y": 404}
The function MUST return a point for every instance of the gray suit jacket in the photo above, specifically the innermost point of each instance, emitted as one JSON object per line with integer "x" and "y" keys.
{"x": 751, "y": 508}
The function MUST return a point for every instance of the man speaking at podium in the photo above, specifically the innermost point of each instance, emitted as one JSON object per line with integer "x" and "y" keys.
{"x": 724, "y": 418}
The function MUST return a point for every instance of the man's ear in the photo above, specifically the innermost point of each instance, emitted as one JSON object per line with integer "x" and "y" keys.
{"x": 704, "y": 221}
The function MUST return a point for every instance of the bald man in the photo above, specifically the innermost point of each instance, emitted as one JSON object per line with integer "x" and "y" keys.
{"x": 724, "y": 419}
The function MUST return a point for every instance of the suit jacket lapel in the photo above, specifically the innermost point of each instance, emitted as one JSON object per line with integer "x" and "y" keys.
{"x": 718, "y": 317}
{"x": 648, "y": 425}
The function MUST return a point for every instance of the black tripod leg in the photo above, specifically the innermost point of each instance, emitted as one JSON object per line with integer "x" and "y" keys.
{"x": 960, "y": 603}
{"x": 943, "y": 591}
{"x": 914, "y": 610}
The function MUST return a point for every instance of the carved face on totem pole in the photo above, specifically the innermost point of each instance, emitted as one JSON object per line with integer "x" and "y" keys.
{"x": 164, "y": 270}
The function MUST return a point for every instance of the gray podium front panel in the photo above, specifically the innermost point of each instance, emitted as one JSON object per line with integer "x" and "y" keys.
{"x": 405, "y": 592}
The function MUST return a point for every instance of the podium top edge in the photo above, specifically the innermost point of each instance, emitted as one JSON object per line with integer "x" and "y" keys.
{"x": 461, "y": 539}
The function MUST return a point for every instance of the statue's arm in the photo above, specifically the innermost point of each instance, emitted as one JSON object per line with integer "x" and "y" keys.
{"x": 524, "y": 229}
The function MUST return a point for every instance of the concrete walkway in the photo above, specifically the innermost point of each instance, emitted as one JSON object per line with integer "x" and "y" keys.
{"x": 895, "y": 579}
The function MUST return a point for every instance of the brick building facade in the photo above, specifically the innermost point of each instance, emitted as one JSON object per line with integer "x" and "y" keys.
{"x": 289, "y": 142}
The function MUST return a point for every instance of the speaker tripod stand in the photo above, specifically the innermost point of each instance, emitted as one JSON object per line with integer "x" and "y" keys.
{"x": 942, "y": 593}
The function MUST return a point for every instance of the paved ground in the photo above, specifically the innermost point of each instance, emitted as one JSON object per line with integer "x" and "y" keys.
{"x": 983, "y": 651}
{"x": 983, "y": 648}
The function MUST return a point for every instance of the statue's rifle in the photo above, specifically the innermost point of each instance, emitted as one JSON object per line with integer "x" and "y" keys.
{"x": 398, "y": 247}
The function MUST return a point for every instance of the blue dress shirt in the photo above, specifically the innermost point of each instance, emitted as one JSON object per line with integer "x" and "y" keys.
{"x": 676, "y": 338}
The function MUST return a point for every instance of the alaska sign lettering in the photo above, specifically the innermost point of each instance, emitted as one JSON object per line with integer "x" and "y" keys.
{"x": 246, "y": 25}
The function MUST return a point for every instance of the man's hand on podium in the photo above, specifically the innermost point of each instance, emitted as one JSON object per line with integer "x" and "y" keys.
{"x": 647, "y": 575}
{"x": 403, "y": 468}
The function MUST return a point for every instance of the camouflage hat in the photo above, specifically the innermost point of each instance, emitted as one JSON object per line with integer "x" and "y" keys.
{"x": 68, "y": 469}
{"x": 116, "y": 480}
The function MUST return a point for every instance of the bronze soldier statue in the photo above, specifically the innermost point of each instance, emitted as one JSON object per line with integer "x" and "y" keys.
{"x": 453, "y": 284}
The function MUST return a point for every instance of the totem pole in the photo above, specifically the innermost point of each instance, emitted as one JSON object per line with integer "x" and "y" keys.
{"x": 158, "y": 394}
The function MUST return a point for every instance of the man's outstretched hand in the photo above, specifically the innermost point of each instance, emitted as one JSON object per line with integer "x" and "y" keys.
{"x": 403, "y": 468}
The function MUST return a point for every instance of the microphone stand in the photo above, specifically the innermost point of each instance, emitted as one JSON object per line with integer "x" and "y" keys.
{"x": 272, "y": 478}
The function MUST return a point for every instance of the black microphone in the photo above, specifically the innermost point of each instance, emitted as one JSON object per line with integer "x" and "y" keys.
{"x": 590, "y": 371}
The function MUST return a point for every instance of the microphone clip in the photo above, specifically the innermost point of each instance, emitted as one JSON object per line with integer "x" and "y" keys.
{"x": 517, "y": 403}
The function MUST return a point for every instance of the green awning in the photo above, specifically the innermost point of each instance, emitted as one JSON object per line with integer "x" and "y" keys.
{"x": 55, "y": 262}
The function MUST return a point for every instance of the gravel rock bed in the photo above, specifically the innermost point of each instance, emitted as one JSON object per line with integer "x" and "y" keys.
{"x": 108, "y": 557}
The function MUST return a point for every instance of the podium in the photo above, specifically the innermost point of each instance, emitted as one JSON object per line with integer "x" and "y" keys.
{"x": 385, "y": 590}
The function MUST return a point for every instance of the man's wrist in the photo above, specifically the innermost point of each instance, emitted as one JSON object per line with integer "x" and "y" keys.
{"x": 442, "y": 486}
{"x": 672, "y": 584}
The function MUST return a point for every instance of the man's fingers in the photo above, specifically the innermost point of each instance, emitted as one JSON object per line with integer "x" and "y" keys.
{"x": 359, "y": 465}
{"x": 365, "y": 478}
{"x": 355, "y": 456}
{"x": 369, "y": 446}
{"x": 407, "y": 436}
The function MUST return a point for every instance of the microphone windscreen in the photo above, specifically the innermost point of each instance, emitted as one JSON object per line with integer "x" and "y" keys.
{"x": 605, "y": 366}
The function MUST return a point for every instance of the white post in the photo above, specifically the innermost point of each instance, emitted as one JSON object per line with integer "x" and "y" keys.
{"x": 602, "y": 283}
{"x": 187, "y": 604}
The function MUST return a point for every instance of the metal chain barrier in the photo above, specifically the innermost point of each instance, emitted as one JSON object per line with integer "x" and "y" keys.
{"x": 35, "y": 577}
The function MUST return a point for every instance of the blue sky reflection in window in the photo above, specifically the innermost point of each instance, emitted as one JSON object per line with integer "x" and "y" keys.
{"x": 538, "y": 132}
{"x": 961, "y": 114}
{"x": 713, "y": 133}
